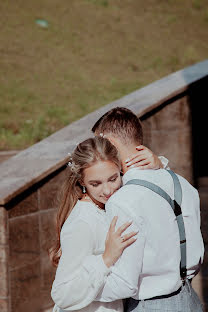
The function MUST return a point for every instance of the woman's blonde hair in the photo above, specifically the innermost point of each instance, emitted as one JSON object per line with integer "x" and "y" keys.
{"x": 85, "y": 155}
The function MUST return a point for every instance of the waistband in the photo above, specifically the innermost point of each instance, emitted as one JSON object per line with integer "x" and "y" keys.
{"x": 165, "y": 296}
{"x": 184, "y": 282}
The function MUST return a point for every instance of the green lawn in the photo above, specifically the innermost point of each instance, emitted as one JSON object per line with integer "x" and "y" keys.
{"x": 93, "y": 52}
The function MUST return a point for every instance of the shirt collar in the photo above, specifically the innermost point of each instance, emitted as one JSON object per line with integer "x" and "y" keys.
{"x": 135, "y": 173}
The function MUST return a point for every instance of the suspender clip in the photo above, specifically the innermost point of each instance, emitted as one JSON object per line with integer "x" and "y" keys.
{"x": 183, "y": 281}
{"x": 177, "y": 208}
{"x": 183, "y": 272}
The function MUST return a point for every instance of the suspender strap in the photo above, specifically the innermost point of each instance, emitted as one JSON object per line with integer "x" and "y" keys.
{"x": 177, "y": 187}
{"x": 179, "y": 217}
{"x": 176, "y": 206}
{"x": 155, "y": 188}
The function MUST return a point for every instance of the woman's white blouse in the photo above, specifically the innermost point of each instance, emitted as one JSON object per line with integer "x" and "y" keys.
{"x": 81, "y": 272}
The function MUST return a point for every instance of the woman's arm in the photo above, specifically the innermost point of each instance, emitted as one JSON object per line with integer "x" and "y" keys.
{"x": 144, "y": 158}
{"x": 81, "y": 275}
{"x": 115, "y": 242}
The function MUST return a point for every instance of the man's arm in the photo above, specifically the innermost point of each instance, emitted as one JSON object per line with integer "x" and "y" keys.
{"x": 123, "y": 281}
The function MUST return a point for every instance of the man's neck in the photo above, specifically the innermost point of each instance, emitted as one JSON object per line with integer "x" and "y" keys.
{"x": 126, "y": 153}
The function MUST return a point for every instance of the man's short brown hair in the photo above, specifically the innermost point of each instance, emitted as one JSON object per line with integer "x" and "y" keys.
{"x": 122, "y": 123}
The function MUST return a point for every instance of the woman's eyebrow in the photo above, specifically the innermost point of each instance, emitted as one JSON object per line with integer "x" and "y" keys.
{"x": 94, "y": 181}
{"x": 98, "y": 181}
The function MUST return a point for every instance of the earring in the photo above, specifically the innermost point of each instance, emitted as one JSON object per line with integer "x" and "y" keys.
{"x": 83, "y": 189}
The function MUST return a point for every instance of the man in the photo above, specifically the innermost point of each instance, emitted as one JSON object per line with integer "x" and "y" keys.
{"x": 149, "y": 270}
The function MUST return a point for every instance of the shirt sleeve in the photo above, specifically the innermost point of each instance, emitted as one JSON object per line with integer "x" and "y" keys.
{"x": 124, "y": 278}
{"x": 164, "y": 161}
{"x": 79, "y": 278}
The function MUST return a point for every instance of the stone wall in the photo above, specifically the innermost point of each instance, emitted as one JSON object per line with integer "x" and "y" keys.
{"x": 31, "y": 181}
{"x": 168, "y": 131}
{"x": 27, "y": 232}
{"x": 4, "y": 251}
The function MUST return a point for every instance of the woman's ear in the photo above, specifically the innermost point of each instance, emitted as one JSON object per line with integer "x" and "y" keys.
{"x": 111, "y": 139}
{"x": 114, "y": 141}
{"x": 81, "y": 182}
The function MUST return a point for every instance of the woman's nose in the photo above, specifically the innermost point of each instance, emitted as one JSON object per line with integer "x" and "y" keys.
{"x": 106, "y": 190}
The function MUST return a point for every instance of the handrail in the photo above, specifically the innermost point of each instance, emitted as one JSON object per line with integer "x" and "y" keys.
{"x": 38, "y": 161}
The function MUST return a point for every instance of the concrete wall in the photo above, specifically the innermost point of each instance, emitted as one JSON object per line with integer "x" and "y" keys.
{"x": 31, "y": 181}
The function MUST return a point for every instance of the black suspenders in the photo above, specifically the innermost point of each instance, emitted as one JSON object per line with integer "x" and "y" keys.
{"x": 176, "y": 206}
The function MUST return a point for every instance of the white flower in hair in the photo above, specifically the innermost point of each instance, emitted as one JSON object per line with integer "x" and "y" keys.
{"x": 102, "y": 135}
{"x": 72, "y": 166}
{"x": 70, "y": 163}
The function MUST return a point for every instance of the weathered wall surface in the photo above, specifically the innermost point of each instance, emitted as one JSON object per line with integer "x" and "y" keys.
{"x": 4, "y": 249}
{"x": 168, "y": 131}
{"x": 30, "y": 219}
{"x": 31, "y": 181}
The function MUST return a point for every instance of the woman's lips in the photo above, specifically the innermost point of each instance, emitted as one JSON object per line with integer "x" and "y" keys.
{"x": 107, "y": 197}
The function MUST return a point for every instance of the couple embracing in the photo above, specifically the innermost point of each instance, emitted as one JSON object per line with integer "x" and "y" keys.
{"x": 153, "y": 246}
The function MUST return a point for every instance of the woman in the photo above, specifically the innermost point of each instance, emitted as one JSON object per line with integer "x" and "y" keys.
{"x": 93, "y": 177}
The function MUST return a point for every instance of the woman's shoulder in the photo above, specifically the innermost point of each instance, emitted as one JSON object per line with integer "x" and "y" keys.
{"x": 83, "y": 212}
{"x": 90, "y": 213}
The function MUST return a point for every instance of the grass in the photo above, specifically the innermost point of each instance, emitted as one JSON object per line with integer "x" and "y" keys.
{"x": 103, "y": 3}
{"x": 93, "y": 52}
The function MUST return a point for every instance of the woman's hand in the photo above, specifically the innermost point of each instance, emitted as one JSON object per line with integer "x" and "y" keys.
{"x": 144, "y": 159}
{"x": 115, "y": 243}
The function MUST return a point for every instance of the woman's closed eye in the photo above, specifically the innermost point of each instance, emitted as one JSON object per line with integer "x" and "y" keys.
{"x": 113, "y": 179}
{"x": 94, "y": 184}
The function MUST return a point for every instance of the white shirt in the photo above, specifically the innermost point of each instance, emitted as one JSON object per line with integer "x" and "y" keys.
{"x": 81, "y": 272}
{"x": 150, "y": 266}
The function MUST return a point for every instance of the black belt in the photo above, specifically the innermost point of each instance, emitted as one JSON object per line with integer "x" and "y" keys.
{"x": 133, "y": 302}
{"x": 165, "y": 296}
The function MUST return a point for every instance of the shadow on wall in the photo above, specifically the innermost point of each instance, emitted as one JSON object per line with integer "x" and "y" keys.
{"x": 199, "y": 101}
